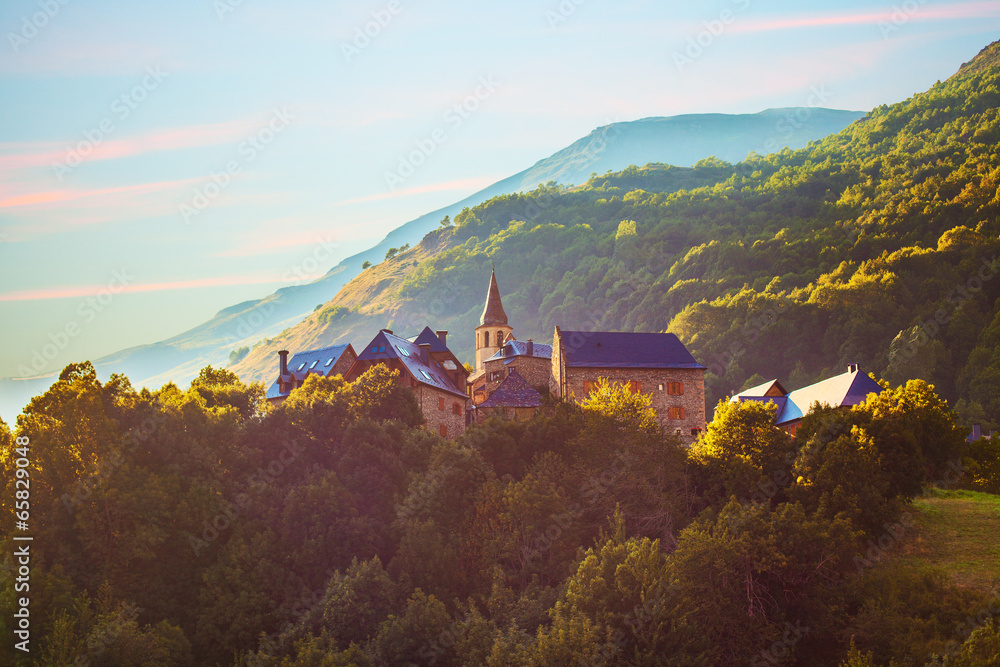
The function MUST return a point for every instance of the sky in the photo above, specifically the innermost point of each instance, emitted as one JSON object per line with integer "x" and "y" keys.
{"x": 160, "y": 161}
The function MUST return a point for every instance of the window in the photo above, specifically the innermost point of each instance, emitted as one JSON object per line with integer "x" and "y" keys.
{"x": 661, "y": 387}
{"x": 635, "y": 387}
{"x": 404, "y": 352}
{"x": 314, "y": 364}
{"x": 374, "y": 349}
{"x": 425, "y": 374}
{"x": 695, "y": 432}
{"x": 443, "y": 430}
{"x": 456, "y": 408}
{"x": 588, "y": 387}
{"x": 440, "y": 403}
{"x": 329, "y": 362}
{"x": 675, "y": 388}
{"x": 301, "y": 366}
{"x": 675, "y": 413}
{"x": 381, "y": 348}
{"x": 486, "y": 339}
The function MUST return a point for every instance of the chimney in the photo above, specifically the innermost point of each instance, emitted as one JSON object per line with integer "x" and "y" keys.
{"x": 443, "y": 337}
{"x": 425, "y": 352}
{"x": 852, "y": 368}
{"x": 531, "y": 348}
{"x": 283, "y": 356}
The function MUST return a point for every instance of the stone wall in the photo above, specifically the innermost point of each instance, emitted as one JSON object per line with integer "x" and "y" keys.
{"x": 430, "y": 400}
{"x": 536, "y": 370}
{"x": 651, "y": 380}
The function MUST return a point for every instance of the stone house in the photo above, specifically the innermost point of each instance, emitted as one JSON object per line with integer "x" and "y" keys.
{"x": 655, "y": 364}
{"x": 325, "y": 362}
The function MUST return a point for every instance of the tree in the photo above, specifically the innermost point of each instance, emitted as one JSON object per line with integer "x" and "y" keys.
{"x": 391, "y": 252}
{"x": 365, "y": 265}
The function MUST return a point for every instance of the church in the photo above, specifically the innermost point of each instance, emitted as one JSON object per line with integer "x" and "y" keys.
{"x": 511, "y": 378}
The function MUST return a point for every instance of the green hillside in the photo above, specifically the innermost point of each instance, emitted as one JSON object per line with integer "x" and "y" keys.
{"x": 877, "y": 246}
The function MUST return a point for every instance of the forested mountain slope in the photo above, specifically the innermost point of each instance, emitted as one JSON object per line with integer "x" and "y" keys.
{"x": 877, "y": 246}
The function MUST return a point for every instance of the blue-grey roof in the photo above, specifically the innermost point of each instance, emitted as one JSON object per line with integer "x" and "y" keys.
{"x": 387, "y": 346}
{"x": 609, "y": 349}
{"x": 844, "y": 390}
{"x": 428, "y": 336}
{"x": 517, "y": 348}
{"x": 513, "y": 392}
{"x": 311, "y": 362}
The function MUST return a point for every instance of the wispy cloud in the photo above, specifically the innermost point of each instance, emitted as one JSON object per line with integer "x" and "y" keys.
{"x": 19, "y": 156}
{"x": 83, "y": 291}
{"x": 962, "y": 10}
{"x": 473, "y": 184}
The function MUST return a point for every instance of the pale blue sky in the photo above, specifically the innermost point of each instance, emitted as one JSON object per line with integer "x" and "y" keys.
{"x": 330, "y": 123}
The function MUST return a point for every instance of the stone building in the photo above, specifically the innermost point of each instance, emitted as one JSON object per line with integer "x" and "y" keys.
{"x": 840, "y": 391}
{"x": 428, "y": 368}
{"x": 656, "y": 364}
{"x": 532, "y": 361}
{"x": 326, "y": 362}
{"x": 514, "y": 398}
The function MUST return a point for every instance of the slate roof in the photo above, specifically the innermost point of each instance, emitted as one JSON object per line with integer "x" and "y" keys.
{"x": 609, "y": 349}
{"x": 844, "y": 390}
{"x": 387, "y": 346}
{"x": 310, "y": 362}
{"x": 428, "y": 336}
{"x": 493, "y": 313}
{"x": 513, "y": 392}
{"x": 517, "y": 348}
{"x": 763, "y": 389}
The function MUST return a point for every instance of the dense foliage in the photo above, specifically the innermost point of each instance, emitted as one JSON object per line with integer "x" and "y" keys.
{"x": 207, "y": 527}
{"x": 877, "y": 246}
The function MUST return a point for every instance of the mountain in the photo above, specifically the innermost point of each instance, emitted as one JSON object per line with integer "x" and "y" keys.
{"x": 679, "y": 140}
{"x": 876, "y": 246}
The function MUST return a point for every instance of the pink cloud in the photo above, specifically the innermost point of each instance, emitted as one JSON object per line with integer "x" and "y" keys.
{"x": 963, "y": 10}
{"x": 72, "y": 195}
{"x": 27, "y": 155}
{"x": 80, "y": 291}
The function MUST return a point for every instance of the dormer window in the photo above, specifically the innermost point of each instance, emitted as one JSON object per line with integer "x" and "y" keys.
{"x": 314, "y": 364}
{"x": 301, "y": 366}
{"x": 329, "y": 362}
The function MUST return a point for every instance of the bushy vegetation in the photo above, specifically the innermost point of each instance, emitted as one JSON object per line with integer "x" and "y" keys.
{"x": 877, "y": 246}
{"x": 206, "y": 527}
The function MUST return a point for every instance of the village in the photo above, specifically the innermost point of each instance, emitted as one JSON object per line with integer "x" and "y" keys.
{"x": 511, "y": 378}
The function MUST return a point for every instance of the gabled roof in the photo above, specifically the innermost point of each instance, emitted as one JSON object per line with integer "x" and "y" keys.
{"x": 493, "y": 313}
{"x": 387, "y": 346}
{"x": 513, "y": 392}
{"x": 428, "y": 336}
{"x": 309, "y": 362}
{"x": 517, "y": 348}
{"x": 770, "y": 388}
{"x": 609, "y": 349}
{"x": 844, "y": 390}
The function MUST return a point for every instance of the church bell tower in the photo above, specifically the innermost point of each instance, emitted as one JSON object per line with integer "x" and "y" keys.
{"x": 493, "y": 329}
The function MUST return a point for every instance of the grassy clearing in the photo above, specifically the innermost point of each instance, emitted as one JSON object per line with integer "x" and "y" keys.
{"x": 958, "y": 532}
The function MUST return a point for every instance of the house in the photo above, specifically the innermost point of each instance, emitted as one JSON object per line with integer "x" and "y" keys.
{"x": 325, "y": 362}
{"x": 656, "y": 364}
{"x": 429, "y": 369}
{"x": 841, "y": 391}
{"x": 532, "y": 361}
{"x": 977, "y": 434}
{"x": 514, "y": 398}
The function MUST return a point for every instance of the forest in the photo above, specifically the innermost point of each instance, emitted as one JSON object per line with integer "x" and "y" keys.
{"x": 207, "y": 527}
{"x": 878, "y": 246}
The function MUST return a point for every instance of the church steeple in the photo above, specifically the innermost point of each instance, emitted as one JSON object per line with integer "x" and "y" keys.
{"x": 493, "y": 328}
{"x": 493, "y": 313}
